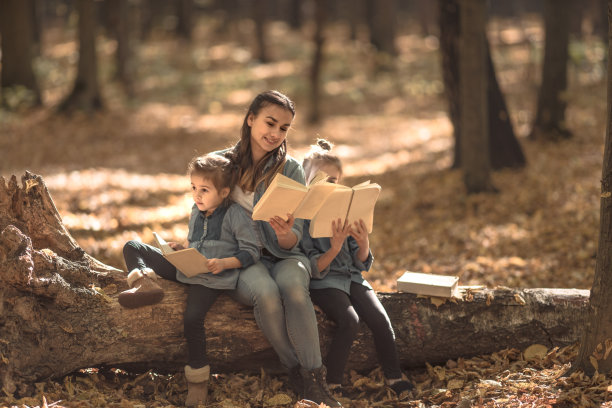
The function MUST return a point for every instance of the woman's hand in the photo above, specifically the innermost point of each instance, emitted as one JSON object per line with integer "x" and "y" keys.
{"x": 176, "y": 246}
{"x": 216, "y": 265}
{"x": 339, "y": 233}
{"x": 286, "y": 237}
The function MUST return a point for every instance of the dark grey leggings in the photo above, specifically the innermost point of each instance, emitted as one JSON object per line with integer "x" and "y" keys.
{"x": 199, "y": 298}
{"x": 346, "y": 311}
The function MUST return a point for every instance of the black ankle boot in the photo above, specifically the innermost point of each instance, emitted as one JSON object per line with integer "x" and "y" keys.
{"x": 315, "y": 387}
{"x": 296, "y": 382}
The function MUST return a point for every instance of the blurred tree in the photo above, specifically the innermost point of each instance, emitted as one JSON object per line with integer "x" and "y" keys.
{"x": 382, "y": 20}
{"x": 259, "y": 16}
{"x": 504, "y": 149}
{"x": 18, "y": 81}
{"x": 473, "y": 81}
{"x": 121, "y": 17}
{"x": 85, "y": 94}
{"x": 185, "y": 13}
{"x": 295, "y": 14}
{"x": 317, "y": 62}
{"x": 596, "y": 345}
{"x": 550, "y": 117}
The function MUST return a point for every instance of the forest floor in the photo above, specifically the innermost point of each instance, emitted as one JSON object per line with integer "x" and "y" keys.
{"x": 118, "y": 175}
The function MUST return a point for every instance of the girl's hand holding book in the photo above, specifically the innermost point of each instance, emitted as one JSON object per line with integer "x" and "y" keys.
{"x": 340, "y": 231}
{"x": 176, "y": 246}
{"x": 216, "y": 265}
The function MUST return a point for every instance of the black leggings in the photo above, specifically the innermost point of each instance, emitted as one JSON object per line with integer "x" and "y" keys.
{"x": 199, "y": 298}
{"x": 346, "y": 311}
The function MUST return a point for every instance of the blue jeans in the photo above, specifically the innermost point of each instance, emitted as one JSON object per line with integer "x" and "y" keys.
{"x": 283, "y": 309}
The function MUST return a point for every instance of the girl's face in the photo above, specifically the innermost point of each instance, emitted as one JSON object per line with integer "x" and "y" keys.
{"x": 205, "y": 194}
{"x": 268, "y": 129}
{"x": 333, "y": 172}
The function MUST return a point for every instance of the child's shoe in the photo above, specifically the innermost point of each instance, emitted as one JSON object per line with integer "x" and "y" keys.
{"x": 197, "y": 385}
{"x": 399, "y": 385}
{"x": 143, "y": 289}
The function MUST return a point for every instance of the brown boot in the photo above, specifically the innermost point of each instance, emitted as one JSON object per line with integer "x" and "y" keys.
{"x": 197, "y": 385}
{"x": 144, "y": 290}
{"x": 315, "y": 387}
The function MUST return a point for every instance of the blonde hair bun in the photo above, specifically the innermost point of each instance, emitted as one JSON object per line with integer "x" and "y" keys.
{"x": 325, "y": 144}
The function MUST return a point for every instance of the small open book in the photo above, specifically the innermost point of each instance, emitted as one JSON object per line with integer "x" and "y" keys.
{"x": 189, "y": 261}
{"x": 320, "y": 202}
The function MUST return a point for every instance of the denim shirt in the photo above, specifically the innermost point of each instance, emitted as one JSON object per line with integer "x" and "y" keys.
{"x": 292, "y": 169}
{"x": 227, "y": 232}
{"x": 344, "y": 268}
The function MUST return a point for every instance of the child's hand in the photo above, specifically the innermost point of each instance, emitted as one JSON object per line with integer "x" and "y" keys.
{"x": 282, "y": 227}
{"x": 359, "y": 231}
{"x": 340, "y": 231}
{"x": 176, "y": 246}
{"x": 216, "y": 265}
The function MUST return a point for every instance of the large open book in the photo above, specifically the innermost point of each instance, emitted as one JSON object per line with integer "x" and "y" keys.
{"x": 321, "y": 202}
{"x": 287, "y": 196}
{"x": 189, "y": 261}
{"x": 428, "y": 284}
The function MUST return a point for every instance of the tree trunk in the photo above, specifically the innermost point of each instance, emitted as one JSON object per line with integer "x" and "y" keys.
{"x": 382, "y": 16}
{"x": 259, "y": 16}
{"x": 473, "y": 97}
{"x": 594, "y": 354}
{"x": 317, "y": 62}
{"x": 59, "y": 312}
{"x": 121, "y": 18}
{"x": 17, "y": 78}
{"x": 550, "y": 118}
{"x": 504, "y": 148}
{"x": 86, "y": 92}
{"x": 185, "y": 13}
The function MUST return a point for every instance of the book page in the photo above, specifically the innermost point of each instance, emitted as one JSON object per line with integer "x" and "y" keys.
{"x": 336, "y": 206}
{"x": 282, "y": 197}
{"x": 162, "y": 244}
{"x": 314, "y": 199}
{"x": 362, "y": 205}
{"x": 189, "y": 261}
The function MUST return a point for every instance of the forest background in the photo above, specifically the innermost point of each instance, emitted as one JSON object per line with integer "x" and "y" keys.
{"x": 117, "y": 173}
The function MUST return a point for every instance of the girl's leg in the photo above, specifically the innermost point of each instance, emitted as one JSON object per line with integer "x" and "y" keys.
{"x": 257, "y": 289}
{"x": 372, "y": 312}
{"x": 293, "y": 280}
{"x": 141, "y": 256}
{"x": 199, "y": 301}
{"x": 337, "y": 306}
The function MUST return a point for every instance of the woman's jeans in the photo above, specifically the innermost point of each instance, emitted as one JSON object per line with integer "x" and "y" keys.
{"x": 278, "y": 293}
{"x": 347, "y": 311}
{"x": 283, "y": 309}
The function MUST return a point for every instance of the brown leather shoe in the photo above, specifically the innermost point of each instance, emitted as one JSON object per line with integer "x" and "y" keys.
{"x": 143, "y": 289}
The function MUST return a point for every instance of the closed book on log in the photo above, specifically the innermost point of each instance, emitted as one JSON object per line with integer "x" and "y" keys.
{"x": 428, "y": 284}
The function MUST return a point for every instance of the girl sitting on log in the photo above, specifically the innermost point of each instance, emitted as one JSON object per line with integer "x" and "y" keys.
{"x": 342, "y": 292}
{"x": 223, "y": 232}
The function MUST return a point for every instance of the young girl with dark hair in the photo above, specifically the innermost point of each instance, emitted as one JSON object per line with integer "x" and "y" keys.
{"x": 340, "y": 290}
{"x": 277, "y": 286}
{"x": 223, "y": 232}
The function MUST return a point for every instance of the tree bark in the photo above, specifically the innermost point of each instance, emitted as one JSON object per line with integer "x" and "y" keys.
{"x": 504, "y": 148}
{"x": 550, "y": 118}
{"x": 474, "y": 145}
{"x": 59, "y": 312}
{"x": 382, "y": 16}
{"x": 121, "y": 16}
{"x": 594, "y": 354}
{"x": 17, "y": 31}
{"x": 317, "y": 62}
{"x": 85, "y": 94}
{"x": 185, "y": 14}
{"x": 259, "y": 16}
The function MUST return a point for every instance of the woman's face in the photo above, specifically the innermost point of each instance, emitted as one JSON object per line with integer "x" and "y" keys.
{"x": 268, "y": 129}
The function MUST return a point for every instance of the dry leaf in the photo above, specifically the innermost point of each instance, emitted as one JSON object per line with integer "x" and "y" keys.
{"x": 535, "y": 351}
{"x": 519, "y": 299}
{"x": 279, "y": 399}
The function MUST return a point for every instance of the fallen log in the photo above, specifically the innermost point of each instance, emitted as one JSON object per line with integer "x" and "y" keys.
{"x": 59, "y": 312}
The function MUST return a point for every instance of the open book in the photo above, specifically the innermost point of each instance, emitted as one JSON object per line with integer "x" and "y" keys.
{"x": 321, "y": 202}
{"x": 347, "y": 204}
{"x": 287, "y": 196}
{"x": 189, "y": 261}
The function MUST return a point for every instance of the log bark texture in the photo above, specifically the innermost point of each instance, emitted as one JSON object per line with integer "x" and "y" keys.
{"x": 59, "y": 312}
